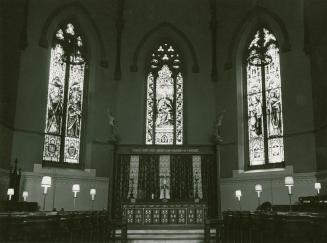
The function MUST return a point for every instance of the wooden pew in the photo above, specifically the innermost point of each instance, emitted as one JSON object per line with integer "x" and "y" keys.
{"x": 55, "y": 227}
{"x": 274, "y": 227}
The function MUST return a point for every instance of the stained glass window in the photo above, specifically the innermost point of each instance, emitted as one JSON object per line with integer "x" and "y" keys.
{"x": 62, "y": 140}
{"x": 164, "y": 105}
{"x": 264, "y": 100}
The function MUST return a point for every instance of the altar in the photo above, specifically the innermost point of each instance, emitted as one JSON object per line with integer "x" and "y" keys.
{"x": 164, "y": 184}
{"x": 164, "y": 213}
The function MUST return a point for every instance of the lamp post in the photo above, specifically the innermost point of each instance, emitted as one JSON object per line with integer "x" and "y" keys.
{"x": 318, "y": 187}
{"x": 238, "y": 194}
{"x": 75, "y": 189}
{"x": 10, "y": 192}
{"x": 258, "y": 189}
{"x": 45, "y": 183}
{"x": 92, "y": 193}
{"x": 289, "y": 182}
{"x": 25, "y": 195}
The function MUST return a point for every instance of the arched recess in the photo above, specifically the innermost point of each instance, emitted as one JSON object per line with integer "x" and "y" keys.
{"x": 79, "y": 13}
{"x": 79, "y": 16}
{"x": 164, "y": 31}
{"x": 256, "y": 19}
{"x": 253, "y": 19}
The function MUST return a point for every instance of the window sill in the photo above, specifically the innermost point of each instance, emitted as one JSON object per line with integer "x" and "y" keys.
{"x": 272, "y": 166}
{"x": 264, "y": 170}
{"x": 62, "y": 171}
{"x": 47, "y": 164}
{"x": 258, "y": 173}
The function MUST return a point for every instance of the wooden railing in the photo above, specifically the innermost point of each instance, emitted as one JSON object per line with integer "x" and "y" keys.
{"x": 56, "y": 227}
{"x": 10, "y": 206}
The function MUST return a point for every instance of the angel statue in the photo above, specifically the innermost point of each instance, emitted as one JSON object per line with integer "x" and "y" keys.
{"x": 112, "y": 125}
{"x": 218, "y": 125}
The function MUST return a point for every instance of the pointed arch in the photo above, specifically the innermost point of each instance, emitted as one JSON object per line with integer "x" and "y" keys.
{"x": 66, "y": 95}
{"x": 255, "y": 18}
{"x": 170, "y": 31}
{"x": 164, "y": 101}
{"x": 263, "y": 99}
{"x": 77, "y": 11}
{"x": 258, "y": 18}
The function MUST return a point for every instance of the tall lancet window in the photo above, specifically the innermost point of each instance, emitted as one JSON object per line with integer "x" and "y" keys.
{"x": 62, "y": 139}
{"x": 264, "y": 100}
{"x": 164, "y": 110}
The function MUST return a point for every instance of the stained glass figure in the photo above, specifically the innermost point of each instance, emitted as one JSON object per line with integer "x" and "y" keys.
{"x": 164, "y": 111}
{"x": 65, "y": 96}
{"x": 264, "y": 100}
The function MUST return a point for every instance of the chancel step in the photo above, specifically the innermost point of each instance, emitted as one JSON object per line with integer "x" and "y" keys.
{"x": 192, "y": 235}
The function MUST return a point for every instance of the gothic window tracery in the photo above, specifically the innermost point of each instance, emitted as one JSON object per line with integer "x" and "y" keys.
{"x": 62, "y": 139}
{"x": 264, "y": 100}
{"x": 164, "y": 106}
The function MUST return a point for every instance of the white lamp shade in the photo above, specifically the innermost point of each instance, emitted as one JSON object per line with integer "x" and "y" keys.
{"x": 317, "y": 186}
{"x": 258, "y": 188}
{"x": 289, "y": 181}
{"x": 93, "y": 191}
{"x": 238, "y": 193}
{"x": 76, "y": 188}
{"x": 46, "y": 181}
{"x": 25, "y": 194}
{"x": 10, "y": 191}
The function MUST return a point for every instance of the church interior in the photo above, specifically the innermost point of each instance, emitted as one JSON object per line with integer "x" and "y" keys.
{"x": 163, "y": 121}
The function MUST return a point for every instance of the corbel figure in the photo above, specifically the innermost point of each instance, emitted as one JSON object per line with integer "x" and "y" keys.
{"x": 218, "y": 127}
{"x": 113, "y": 131}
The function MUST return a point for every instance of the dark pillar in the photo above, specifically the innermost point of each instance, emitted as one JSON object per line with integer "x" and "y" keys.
{"x": 218, "y": 161}
{"x": 213, "y": 28}
{"x": 119, "y": 29}
{"x": 112, "y": 152}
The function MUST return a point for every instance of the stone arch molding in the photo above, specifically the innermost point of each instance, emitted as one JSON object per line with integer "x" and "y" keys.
{"x": 255, "y": 18}
{"x": 80, "y": 14}
{"x": 164, "y": 31}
